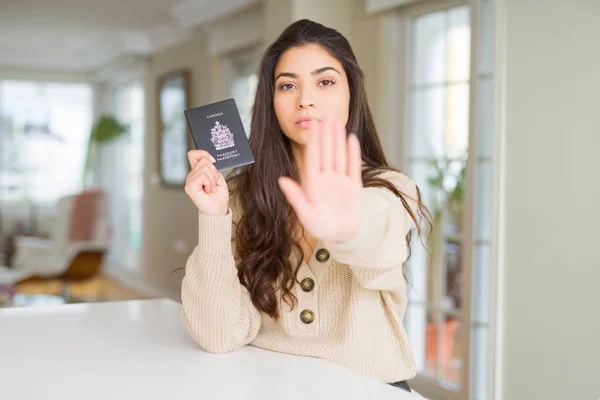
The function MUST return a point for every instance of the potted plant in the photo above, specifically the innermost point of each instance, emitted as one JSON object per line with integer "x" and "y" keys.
{"x": 447, "y": 184}
{"x": 105, "y": 129}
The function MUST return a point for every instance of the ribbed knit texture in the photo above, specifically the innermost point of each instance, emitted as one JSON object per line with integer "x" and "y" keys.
{"x": 358, "y": 301}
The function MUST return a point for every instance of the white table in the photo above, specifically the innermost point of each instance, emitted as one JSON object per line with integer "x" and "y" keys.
{"x": 139, "y": 350}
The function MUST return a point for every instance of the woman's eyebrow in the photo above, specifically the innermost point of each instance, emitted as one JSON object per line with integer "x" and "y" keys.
{"x": 287, "y": 75}
{"x": 321, "y": 70}
{"x": 315, "y": 72}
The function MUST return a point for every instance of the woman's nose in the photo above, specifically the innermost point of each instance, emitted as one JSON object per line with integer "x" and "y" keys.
{"x": 305, "y": 104}
{"x": 305, "y": 101}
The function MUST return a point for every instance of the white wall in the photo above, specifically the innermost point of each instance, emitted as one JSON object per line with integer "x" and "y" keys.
{"x": 551, "y": 311}
{"x": 170, "y": 218}
{"x": 44, "y": 75}
{"x": 278, "y": 15}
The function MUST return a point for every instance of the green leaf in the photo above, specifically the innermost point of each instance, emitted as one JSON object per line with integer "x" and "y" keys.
{"x": 105, "y": 129}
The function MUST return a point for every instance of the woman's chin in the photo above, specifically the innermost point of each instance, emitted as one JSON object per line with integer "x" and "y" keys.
{"x": 298, "y": 137}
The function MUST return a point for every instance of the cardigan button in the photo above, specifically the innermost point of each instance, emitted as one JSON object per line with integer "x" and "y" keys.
{"x": 307, "y": 316}
{"x": 322, "y": 255}
{"x": 307, "y": 284}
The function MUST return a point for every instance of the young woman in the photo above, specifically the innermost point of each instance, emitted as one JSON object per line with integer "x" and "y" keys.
{"x": 305, "y": 255}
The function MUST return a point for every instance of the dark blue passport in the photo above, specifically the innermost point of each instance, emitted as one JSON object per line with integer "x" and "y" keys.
{"x": 218, "y": 129}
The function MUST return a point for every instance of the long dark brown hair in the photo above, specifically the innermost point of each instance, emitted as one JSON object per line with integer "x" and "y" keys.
{"x": 265, "y": 235}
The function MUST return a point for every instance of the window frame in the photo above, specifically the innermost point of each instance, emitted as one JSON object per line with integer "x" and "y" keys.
{"x": 131, "y": 257}
{"x": 109, "y": 86}
{"x": 395, "y": 29}
{"x": 226, "y": 63}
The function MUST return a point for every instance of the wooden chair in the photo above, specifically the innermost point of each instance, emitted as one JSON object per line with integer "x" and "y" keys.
{"x": 78, "y": 244}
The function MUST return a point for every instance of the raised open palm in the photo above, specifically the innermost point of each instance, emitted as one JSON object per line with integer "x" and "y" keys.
{"x": 328, "y": 200}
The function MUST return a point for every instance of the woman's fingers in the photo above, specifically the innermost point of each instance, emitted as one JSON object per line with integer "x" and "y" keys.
{"x": 209, "y": 181}
{"x": 312, "y": 158}
{"x": 341, "y": 148}
{"x": 206, "y": 175}
{"x": 205, "y": 183}
{"x": 296, "y": 197}
{"x": 354, "y": 158}
{"x": 330, "y": 148}
{"x": 216, "y": 174}
{"x": 195, "y": 156}
{"x": 327, "y": 147}
{"x": 203, "y": 167}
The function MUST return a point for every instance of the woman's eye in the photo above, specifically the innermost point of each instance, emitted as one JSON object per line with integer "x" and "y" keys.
{"x": 286, "y": 86}
{"x": 327, "y": 82}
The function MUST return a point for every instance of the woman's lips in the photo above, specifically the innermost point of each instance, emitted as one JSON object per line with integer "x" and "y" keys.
{"x": 306, "y": 122}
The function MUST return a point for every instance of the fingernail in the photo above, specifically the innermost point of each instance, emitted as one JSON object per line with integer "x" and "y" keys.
{"x": 213, "y": 159}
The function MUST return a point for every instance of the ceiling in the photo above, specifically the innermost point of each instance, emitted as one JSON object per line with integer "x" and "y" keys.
{"x": 82, "y": 35}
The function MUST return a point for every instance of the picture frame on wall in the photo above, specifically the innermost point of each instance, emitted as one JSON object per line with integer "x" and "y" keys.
{"x": 174, "y": 137}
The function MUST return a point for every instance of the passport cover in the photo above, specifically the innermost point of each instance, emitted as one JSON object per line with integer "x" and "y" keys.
{"x": 217, "y": 128}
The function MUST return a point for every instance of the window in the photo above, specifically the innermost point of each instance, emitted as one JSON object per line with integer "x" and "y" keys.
{"x": 44, "y": 131}
{"x": 119, "y": 171}
{"x": 449, "y": 131}
{"x": 484, "y": 240}
{"x": 130, "y": 109}
{"x": 243, "y": 69}
{"x": 437, "y": 142}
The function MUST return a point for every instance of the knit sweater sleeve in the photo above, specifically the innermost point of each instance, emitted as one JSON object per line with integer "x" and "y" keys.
{"x": 379, "y": 249}
{"x": 217, "y": 310}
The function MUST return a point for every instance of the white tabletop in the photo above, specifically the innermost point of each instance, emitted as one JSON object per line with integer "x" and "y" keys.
{"x": 139, "y": 350}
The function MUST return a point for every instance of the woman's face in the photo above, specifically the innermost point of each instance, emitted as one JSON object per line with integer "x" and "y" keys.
{"x": 309, "y": 85}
